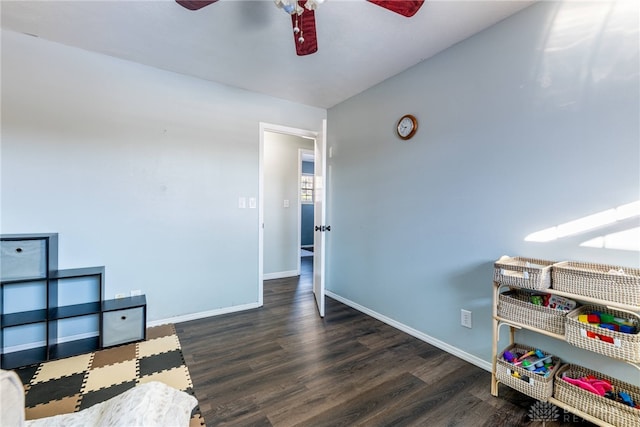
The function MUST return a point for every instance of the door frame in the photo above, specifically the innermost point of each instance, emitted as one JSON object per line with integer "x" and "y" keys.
{"x": 270, "y": 127}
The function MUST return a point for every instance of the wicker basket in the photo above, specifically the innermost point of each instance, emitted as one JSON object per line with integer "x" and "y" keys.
{"x": 625, "y": 346}
{"x": 531, "y": 384}
{"x": 608, "y": 410}
{"x": 515, "y": 306}
{"x": 523, "y": 272}
{"x": 598, "y": 281}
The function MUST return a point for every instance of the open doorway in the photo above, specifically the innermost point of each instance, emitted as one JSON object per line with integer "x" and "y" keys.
{"x": 278, "y": 237}
{"x": 279, "y": 200}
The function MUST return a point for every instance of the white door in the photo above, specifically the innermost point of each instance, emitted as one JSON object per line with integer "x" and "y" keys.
{"x": 319, "y": 211}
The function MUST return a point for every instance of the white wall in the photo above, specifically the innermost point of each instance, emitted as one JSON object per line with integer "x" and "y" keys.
{"x": 139, "y": 170}
{"x": 281, "y": 182}
{"x": 532, "y": 123}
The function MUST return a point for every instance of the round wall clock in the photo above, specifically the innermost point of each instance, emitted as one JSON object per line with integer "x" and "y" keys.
{"x": 407, "y": 126}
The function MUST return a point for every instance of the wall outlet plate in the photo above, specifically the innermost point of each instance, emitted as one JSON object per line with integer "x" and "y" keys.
{"x": 118, "y": 296}
{"x": 136, "y": 293}
{"x": 465, "y": 318}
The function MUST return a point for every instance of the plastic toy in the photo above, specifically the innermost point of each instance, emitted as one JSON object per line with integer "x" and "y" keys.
{"x": 553, "y": 301}
{"x": 528, "y": 365}
{"x": 560, "y": 303}
{"x": 541, "y": 362}
{"x": 625, "y": 398}
{"x": 508, "y": 356}
{"x": 609, "y": 321}
{"x": 599, "y": 337}
{"x": 535, "y": 361}
{"x": 627, "y": 329}
{"x": 594, "y": 385}
{"x": 593, "y": 318}
{"x": 536, "y": 353}
{"x": 537, "y": 299}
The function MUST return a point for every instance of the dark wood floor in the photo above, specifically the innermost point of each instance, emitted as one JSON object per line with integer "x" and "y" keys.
{"x": 282, "y": 365}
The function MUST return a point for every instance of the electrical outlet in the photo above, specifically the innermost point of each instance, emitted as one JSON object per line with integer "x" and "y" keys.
{"x": 136, "y": 293}
{"x": 465, "y": 318}
{"x": 118, "y": 296}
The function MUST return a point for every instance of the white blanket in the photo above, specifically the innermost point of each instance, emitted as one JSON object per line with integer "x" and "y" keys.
{"x": 153, "y": 404}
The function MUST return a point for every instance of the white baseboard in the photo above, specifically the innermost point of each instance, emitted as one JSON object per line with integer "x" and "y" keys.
{"x": 280, "y": 274}
{"x": 455, "y": 351}
{"x": 203, "y": 314}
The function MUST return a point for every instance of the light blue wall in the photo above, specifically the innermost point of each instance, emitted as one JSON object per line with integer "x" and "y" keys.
{"x": 137, "y": 169}
{"x": 531, "y": 123}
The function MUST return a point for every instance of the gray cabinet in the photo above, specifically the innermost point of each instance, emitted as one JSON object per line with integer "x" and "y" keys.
{"x": 27, "y": 257}
{"x": 121, "y": 324}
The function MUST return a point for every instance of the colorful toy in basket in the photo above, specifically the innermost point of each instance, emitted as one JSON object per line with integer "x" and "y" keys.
{"x": 553, "y": 301}
{"x": 602, "y": 388}
{"x": 608, "y": 321}
{"x": 560, "y": 303}
{"x": 535, "y": 361}
{"x": 590, "y": 383}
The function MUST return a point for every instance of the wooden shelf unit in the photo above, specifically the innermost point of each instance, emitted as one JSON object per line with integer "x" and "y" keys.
{"x": 514, "y": 326}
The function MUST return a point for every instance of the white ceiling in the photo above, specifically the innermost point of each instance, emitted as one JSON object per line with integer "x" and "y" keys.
{"x": 248, "y": 44}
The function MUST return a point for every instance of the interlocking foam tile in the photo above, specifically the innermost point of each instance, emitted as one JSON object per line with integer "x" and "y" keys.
{"x": 158, "y": 345}
{"x": 160, "y": 331}
{"x": 177, "y": 378}
{"x": 62, "y": 368}
{"x": 109, "y": 375}
{"x": 111, "y": 356}
{"x": 55, "y": 407}
{"x": 26, "y": 374}
{"x": 196, "y": 421}
{"x": 53, "y": 390}
{"x": 76, "y": 383}
{"x": 97, "y": 396}
{"x": 160, "y": 362}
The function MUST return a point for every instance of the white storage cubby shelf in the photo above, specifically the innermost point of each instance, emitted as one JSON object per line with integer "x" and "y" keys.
{"x": 519, "y": 280}
{"x": 46, "y": 313}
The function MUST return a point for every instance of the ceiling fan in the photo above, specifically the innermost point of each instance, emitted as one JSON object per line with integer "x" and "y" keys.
{"x": 303, "y": 17}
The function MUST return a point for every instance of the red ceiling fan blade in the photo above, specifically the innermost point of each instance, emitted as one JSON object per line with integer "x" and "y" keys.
{"x": 307, "y": 24}
{"x": 406, "y": 8}
{"x": 195, "y": 4}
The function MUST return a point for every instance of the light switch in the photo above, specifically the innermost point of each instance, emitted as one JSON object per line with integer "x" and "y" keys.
{"x": 286, "y": 203}
{"x": 242, "y": 202}
{"x": 252, "y": 202}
